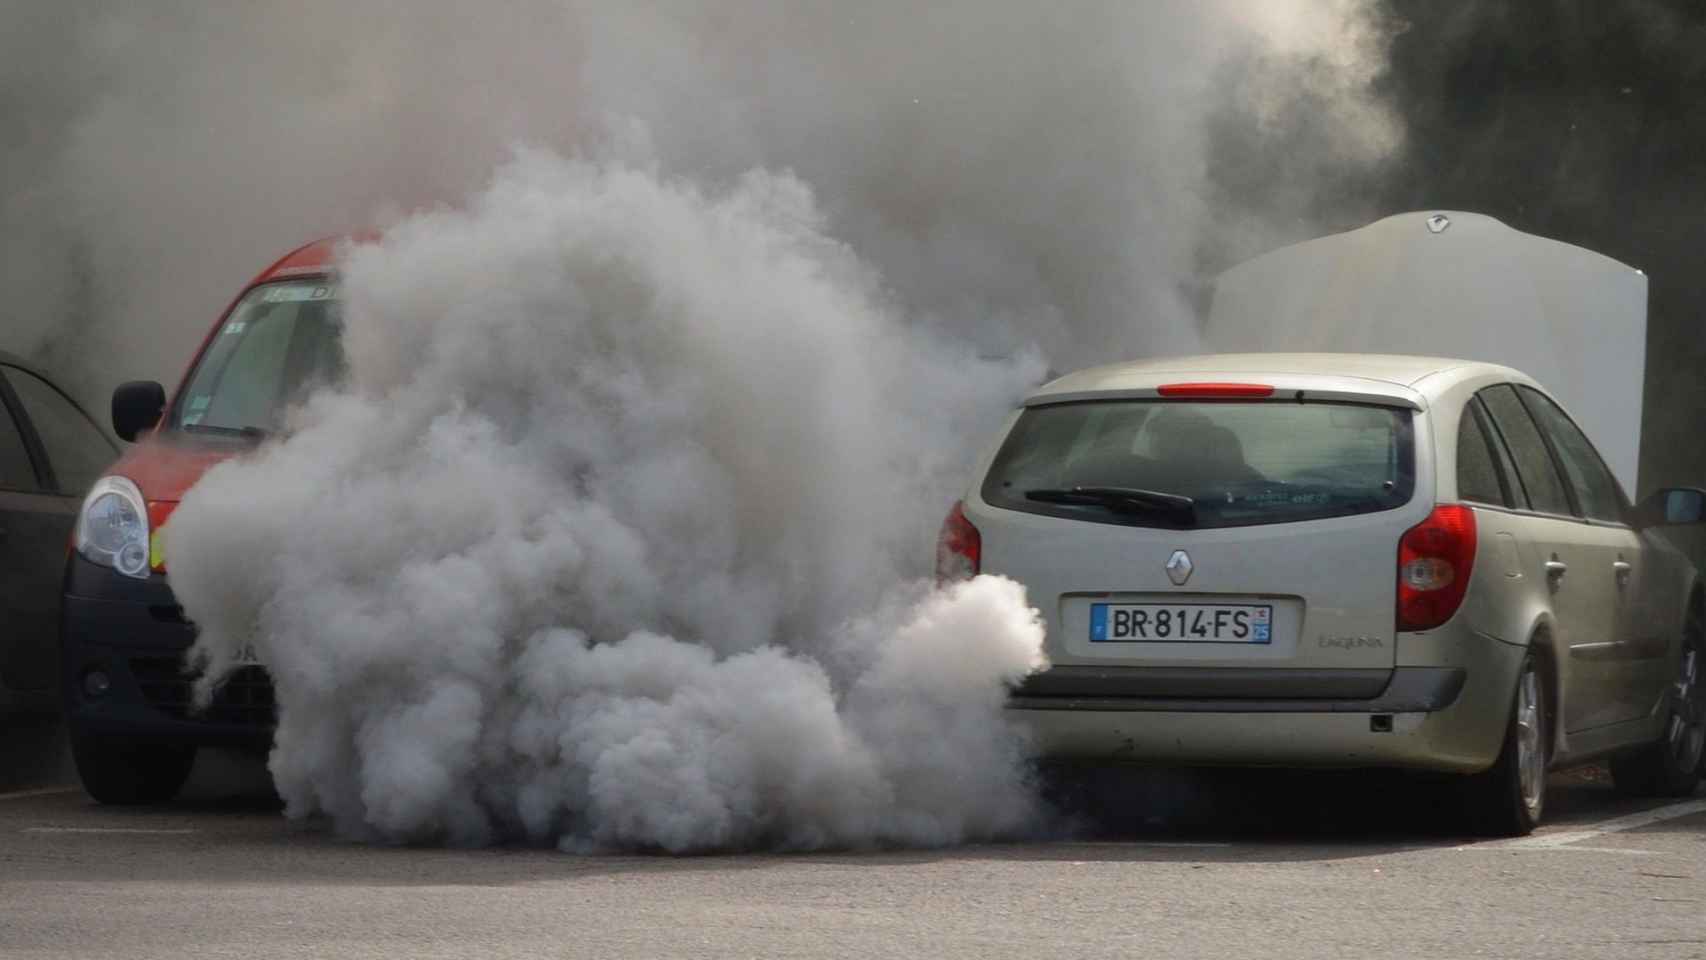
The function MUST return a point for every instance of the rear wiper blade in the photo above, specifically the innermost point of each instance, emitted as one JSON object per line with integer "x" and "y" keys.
{"x": 1122, "y": 499}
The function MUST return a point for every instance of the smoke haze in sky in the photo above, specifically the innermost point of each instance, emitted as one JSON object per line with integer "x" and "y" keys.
{"x": 1015, "y": 173}
{"x": 613, "y": 536}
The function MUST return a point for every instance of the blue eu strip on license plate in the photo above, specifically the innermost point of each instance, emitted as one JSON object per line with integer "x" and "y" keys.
{"x": 1181, "y": 623}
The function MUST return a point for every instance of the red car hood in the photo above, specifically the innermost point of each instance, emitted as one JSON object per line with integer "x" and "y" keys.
{"x": 163, "y": 467}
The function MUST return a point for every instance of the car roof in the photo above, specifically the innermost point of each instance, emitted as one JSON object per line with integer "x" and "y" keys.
{"x": 1361, "y": 374}
{"x": 12, "y": 359}
{"x": 314, "y": 258}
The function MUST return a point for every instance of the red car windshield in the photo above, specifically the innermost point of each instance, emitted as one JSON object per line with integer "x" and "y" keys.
{"x": 278, "y": 344}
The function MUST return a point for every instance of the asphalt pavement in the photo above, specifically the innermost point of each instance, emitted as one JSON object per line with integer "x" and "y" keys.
{"x": 1164, "y": 864}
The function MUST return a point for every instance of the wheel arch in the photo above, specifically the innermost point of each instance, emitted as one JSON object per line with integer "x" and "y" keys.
{"x": 1542, "y": 642}
{"x": 1536, "y": 625}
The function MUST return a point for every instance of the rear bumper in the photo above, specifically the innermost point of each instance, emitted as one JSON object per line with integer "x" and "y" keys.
{"x": 1446, "y": 716}
{"x": 134, "y": 634}
{"x": 1242, "y": 690}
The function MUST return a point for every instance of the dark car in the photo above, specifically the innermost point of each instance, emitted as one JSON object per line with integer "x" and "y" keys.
{"x": 50, "y": 452}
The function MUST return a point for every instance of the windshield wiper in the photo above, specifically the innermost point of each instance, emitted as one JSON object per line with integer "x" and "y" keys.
{"x": 1182, "y": 509}
{"x": 256, "y": 434}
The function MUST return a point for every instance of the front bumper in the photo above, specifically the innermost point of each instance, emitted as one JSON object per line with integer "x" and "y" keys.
{"x": 133, "y": 631}
{"x": 1448, "y": 713}
{"x": 25, "y": 702}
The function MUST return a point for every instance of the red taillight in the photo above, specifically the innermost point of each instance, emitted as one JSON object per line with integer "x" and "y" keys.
{"x": 959, "y": 548}
{"x": 1214, "y": 391}
{"x": 1435, "y": 559}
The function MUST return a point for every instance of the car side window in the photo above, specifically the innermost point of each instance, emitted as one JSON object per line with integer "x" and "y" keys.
{"x": 76, "y": 449}
{"x": 1596, "y": 489}
{"x": 1534, "y": 464}
{"x": 1477, "y": 477}
{"x": 16, "y": 471}
{"x": 1502, "y": 455}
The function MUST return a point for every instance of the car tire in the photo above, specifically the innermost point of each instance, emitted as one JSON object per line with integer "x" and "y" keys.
{"x": 1509, "y": 798}
{"x": 1672, "y": 765}
{"x": 130, "y": 774}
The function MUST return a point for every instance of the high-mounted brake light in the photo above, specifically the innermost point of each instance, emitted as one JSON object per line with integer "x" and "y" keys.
{"x": 959, "y": 548}
{"x": 1214, "y": 391}
{"x": 1435, "y": 558}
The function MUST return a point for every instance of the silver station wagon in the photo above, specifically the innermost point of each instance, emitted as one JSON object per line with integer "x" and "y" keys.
{"x": 1341, "y": 560}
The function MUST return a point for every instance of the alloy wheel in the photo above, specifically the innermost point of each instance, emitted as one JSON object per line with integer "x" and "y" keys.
{"x": 1686, "y": 736}
{"x": 1530, "y": 743}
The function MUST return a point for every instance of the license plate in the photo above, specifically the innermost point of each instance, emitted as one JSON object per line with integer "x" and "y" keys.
{"x": 1180, "y": 623}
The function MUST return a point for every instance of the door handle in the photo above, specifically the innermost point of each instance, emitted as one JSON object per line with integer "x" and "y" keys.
{"x": 1622, "y": 569}
{"x": 1555, "y": 569}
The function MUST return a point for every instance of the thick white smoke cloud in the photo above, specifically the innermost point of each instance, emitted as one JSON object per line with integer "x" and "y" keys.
{"x": 608, "y": 444}
{"x": 619, "y": 431}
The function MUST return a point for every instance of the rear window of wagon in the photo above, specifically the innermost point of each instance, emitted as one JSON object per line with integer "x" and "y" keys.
{"x": 1240, "y": 464}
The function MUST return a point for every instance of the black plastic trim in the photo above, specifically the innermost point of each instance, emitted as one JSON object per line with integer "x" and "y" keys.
{"x": 1212, "y": 683}
{"x": 85, "y": 580}
{"x": 1411, "y": 690}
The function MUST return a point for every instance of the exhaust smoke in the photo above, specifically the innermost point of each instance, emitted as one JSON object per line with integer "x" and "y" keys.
{"x": 1018, "y": 174}
{"x": 605, "y": 540}
{"x": 609, "y": 538}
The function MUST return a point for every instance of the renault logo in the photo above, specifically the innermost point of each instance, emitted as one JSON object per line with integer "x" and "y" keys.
{"x": 1438, "y": 222}
{"x": 1179, "y": 567}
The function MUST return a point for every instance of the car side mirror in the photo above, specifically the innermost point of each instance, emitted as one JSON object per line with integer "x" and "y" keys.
{"x": 1673, "y": 507}
{"x": 137, "y": 405}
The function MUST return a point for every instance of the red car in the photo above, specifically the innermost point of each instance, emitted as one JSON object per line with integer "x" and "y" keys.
{"x": 134, "y": 731}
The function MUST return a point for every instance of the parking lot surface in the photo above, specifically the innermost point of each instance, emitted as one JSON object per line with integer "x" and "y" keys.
{"x": 1173, "y": 865}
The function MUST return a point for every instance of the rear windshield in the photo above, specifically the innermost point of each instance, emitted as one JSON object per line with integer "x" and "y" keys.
{"x": 1203, "y": 465}
{"x": 277, "y": 344}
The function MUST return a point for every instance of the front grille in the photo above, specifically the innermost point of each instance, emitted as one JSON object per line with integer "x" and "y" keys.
{"x": 244, "y": 698}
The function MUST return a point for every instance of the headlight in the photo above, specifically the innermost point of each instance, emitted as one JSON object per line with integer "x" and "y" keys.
{"x": 112, "y": 529}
